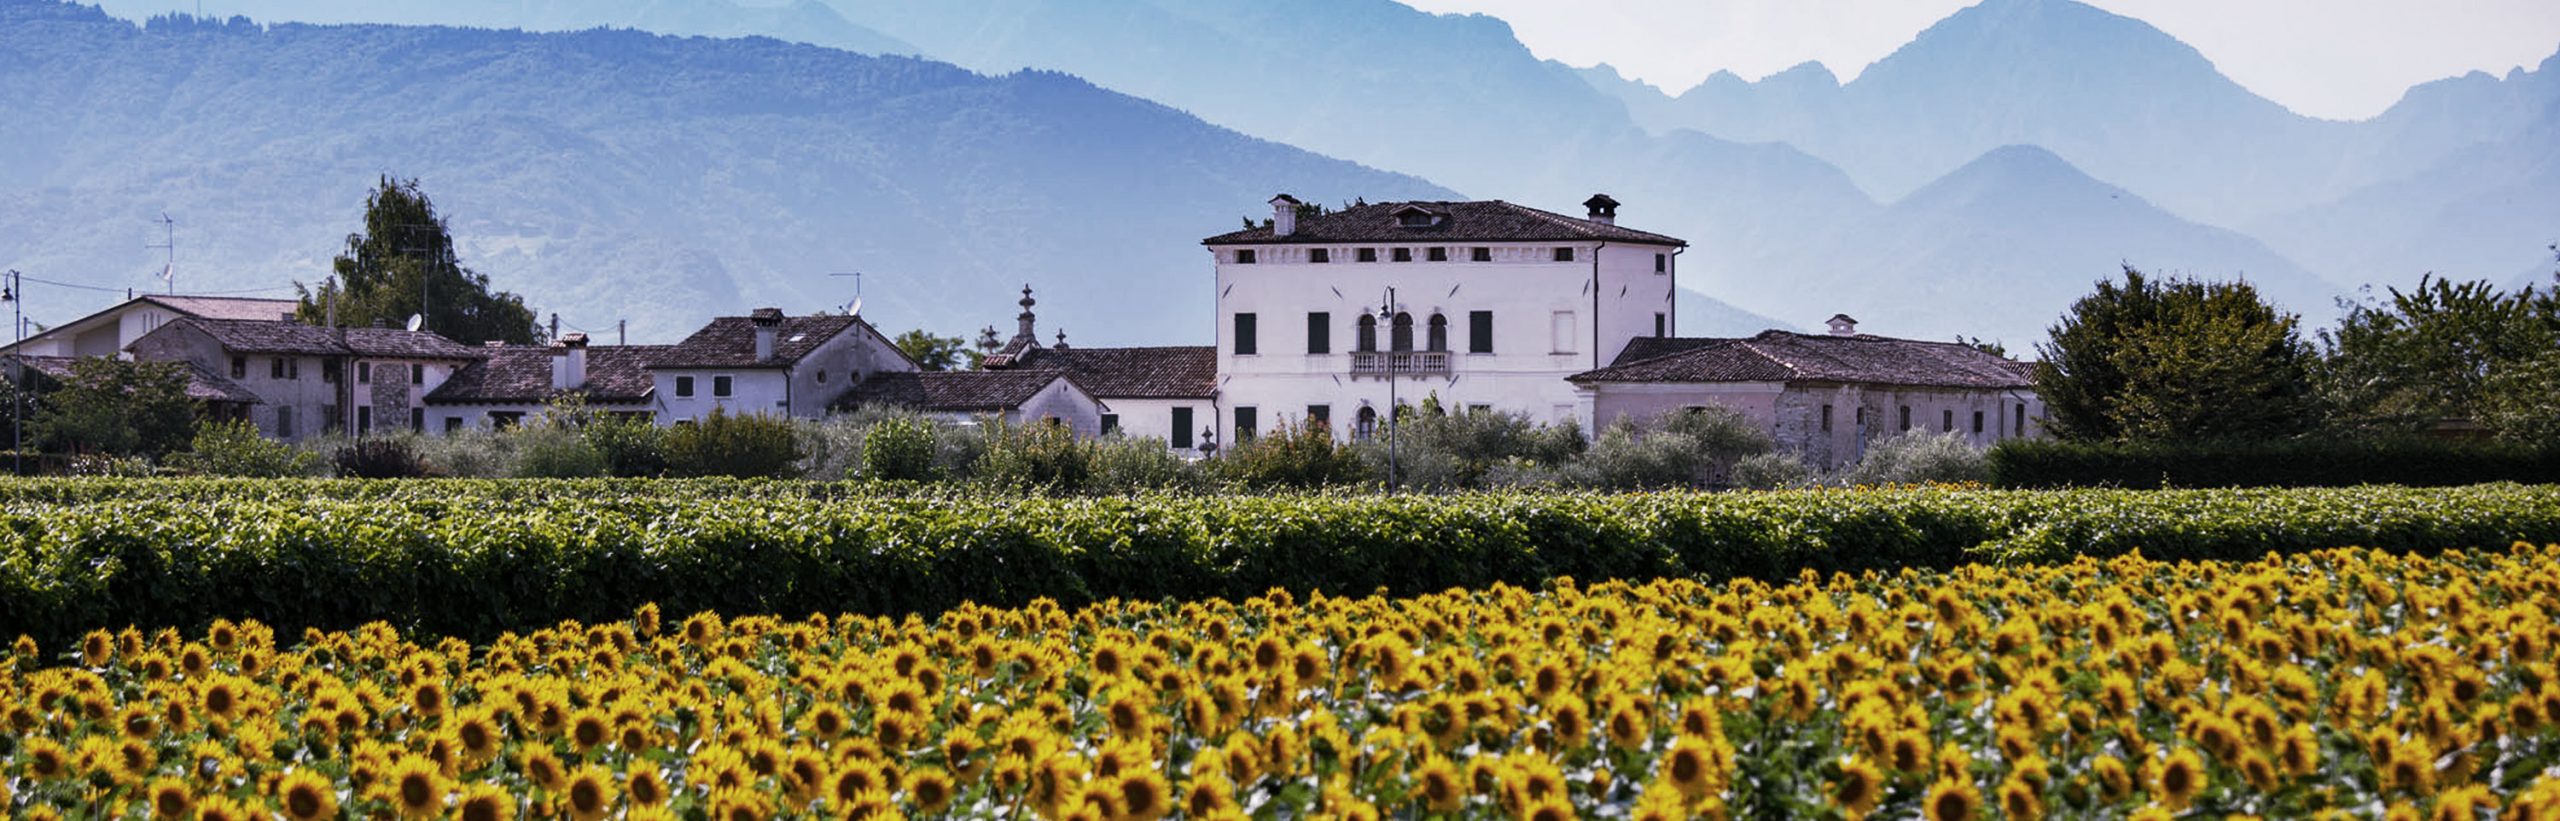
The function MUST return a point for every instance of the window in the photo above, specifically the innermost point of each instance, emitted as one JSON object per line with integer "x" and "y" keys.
{"x": 1368, "y": 255}
{"x": 1826, "y": 419}
{"x": 721, "y": 386}
{"x": 1564, "y": 253}
{"x": 684, "y": 387}
{"x": 1906, "y": 417}
{"x": 1436, "y": 334}
{"x": 1946, "y": 421}
{"x": 1563, "y": 332}
{"x": 822, "y": 376}
{"x": 417, "y": 374}
{"x": 1181, "y": 428}
{"x": 331, "y": 370}
{"x": 418, "y": 419}
{"x": 452, "y": 423}
{"x": 1110, "y": 424}
{"x": 364, "y": 373}
{"x": 1401, "y": 336}
{"x": 1401, "y": 255}
{"x": 1414, "y": 218}
{"x": 1319, "y": 332}
{"x": 1246, "y": 345}
{"x": 284, "y": 421}
{"x": 1364, "y": 423}
{"x": 364, "y": 419}
{"x": 505, "y": 420}
{"x": 1245, "y": 425}
{"x": 1977, "y": 422}
{"x": 275, "y": 368}
{"x": 1661, "y": 263}
{"x": 1319, "y": 255}
{"x": 1479, "y": 407}
{"x": 1661, "y": 324}
{"x": 1320, "y": 415}
{"x": 239, "y": 367}
{"x": 1244, "y": 256}
{"x": 1368, "y": 336}
{"x": 1481, "y": 254}
{"x": 1438, "y": 254}
{"x": 2020, "y": 429}
{"x": 1479, "y": 332}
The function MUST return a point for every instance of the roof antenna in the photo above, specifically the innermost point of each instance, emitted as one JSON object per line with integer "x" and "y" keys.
{"x": 169, "y": 267}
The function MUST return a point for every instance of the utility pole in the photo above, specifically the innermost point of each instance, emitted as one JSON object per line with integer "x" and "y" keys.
{"x": 14, "y": 291}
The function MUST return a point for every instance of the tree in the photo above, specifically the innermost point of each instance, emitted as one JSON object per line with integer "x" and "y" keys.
{"x": 935, "y": 353}
{"x": 2175, "y": 360}
{"x": 117, "y": 407}
{"x": 403, "y": 264}
{"x": 2434, "y": 353}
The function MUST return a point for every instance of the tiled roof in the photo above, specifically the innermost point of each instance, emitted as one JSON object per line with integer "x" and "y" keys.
{"x": 1647, "y": 347}
{"x": 1786, "y": 356}
{"x": 951, "y": 391}
{"x": 1471, "y": 221}
{"x": 226, "y": 307}
{"x": 406, "y": 344}
{"x": 521, "y": 375}
{"x": 730, "y": 342}
{"x": 267, "y": 336}
{"x": 202, "y": 385}
{"x": 1177, "y": 372}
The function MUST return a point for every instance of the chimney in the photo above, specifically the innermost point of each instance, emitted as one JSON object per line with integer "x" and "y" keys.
{"x": 1023, "y": 335}
{"x": 1284, "y": 215}
{"x": 1843, "y": 325}
{"x": 768, "y": 322}
{"x": 570, "y": 370}
{"x": 1603, "y": 209}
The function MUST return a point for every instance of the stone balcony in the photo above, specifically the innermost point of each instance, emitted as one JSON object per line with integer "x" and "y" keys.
{"x": 1400, "y": 363}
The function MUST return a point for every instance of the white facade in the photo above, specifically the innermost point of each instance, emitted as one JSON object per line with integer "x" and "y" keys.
{"x": 109, "y": 332}
{"x": 804, "y": 387}
{"x": 1176, "y": 421}
{"x": 1554, "y": 309}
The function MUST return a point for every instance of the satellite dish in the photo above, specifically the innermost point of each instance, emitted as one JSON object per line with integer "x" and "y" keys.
{"x": 854, "y": 309}
{"x": 417, "y": 321}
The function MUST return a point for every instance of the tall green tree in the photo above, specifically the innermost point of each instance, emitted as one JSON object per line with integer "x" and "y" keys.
{"x": 936, "y": 353}
{"x": 2176, "y": 360}
{"x": 403, "y": 264}
{"x": 117, "y": 407}
{"x": 2437, "y": 352}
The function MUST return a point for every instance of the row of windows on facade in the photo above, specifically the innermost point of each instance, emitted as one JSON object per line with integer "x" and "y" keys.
{"x": 721, "y": 386}
{"x": 1248, "y": 420}
{"x": 1946, "y": 419}
{"x": 285, "y": 367}
{"x": 1436, "y": 253}
{"x": 1400, "y": 332}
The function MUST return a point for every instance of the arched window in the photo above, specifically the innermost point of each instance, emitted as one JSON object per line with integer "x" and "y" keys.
{"x": 1403, "y": 331}
{"x": 1439, "y": 333}
{"x": 1368, "y": 333}
{"x": 1365, "y": 423}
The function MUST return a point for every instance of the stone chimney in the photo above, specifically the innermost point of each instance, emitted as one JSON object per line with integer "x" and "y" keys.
{"x": 1284, "y": 215}
{"x": 569, "y": 370}
{"x": 1843, "y": 325}
{"x": 1023, "y": 336}
{"x": 1603, "y": 209}
{"x": 768, "y": 322}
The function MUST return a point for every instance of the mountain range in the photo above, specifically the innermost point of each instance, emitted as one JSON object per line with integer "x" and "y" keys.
{"x": 1971, "y": 183}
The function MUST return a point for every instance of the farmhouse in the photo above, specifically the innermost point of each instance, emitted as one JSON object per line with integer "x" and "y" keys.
{"x": 1167, "y": 392}
{"x": 309, "y": 380}
{"x": 769, "y": 363}
{"x": 109, "y": 332}
{"x": 514, "y": 382}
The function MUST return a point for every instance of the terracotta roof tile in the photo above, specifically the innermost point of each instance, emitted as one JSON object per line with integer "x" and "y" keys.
{"x": 521, "y": 375}
{"x": 407, "y": 344}
{"x": 1174, "y": 372}
{"x": 951, "y": 391}
{"x": 202, "y": 385}
{"x": 1470, "y": 221}
{"x": 1786, "y": 356}
{"x": 730, "y": 342}
{"x": 226, "y": 307}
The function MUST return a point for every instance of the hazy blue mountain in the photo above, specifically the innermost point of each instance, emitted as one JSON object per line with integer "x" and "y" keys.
{"x": 615, "y": 174}
{"x": 799, "y": 21}
{"x": 2001, "y": 247}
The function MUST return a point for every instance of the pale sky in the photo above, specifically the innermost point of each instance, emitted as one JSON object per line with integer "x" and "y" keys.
{"x": 2338, "y": 59}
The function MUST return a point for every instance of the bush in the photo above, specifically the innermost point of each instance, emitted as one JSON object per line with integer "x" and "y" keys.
{"x": 725, "y": 445}
{"x": 1039, "y": 455}
{"x": 1126, "y": 465}
{"x": 1292, "y": 456}
{"x": 556, "y": 449}
{"x": 629, "y": 447}
{"x": 235, "y": 448}
{"x": 898, "y": 448}
{"x": 1769, "y": 471}
{"x": 1916, "y": 457}
{"x": 2026, "y": 463}
{"x": 469, "y": 453}
{"x": 1454, "y": 451}
{"x": 380, "y": 457}
{"x": 1678, "y": 448}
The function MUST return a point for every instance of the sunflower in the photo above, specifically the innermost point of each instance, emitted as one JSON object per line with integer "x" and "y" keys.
{"x": 588, "y": 729}
{"x": 1627, "y": 728}
{"x": 2182, "y": 776}
{"x": 930, "y": 790}
{"x": 2115, "y": 782}
{"x": 543, "y": 768}
{"x": 2019, "y": 801}
{"x": 1859, "y": 788}
{"x": 305, "y": 796}
{"x": 417, "y": 787}
{"x": 1909, "y": 752}
{"x": 1688, "y": 769}
{"x": 590, "y": 794}
{"x": 1439, "y": 786}
{"x": 46, "y": 759}
{"x": 169, "y": 798}
{"x": 1952, "y": 799}
{"x": 1142, "y": 795}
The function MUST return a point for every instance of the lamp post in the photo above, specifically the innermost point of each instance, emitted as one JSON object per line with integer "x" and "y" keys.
{"x": 10, "y": 291}
{"x": 1387, "y": 317}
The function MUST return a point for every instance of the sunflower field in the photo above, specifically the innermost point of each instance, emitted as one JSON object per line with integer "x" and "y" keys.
{"x": 2353, "y": 681}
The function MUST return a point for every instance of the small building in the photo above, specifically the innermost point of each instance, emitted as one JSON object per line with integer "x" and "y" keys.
{"x": 1823, "y": 396}
{"x": 1167, "y": 392}
{"x": 516, "y": 382}
{"x": 109, "y": 332}
{"x": 768, "y": 363}
{"x": 311, "y": 380}
{"x": 963, "y": 397}
{"x": 217, "y": 398}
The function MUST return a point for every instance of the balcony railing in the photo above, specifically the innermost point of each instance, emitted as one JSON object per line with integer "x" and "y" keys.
{"x": 1418, "y": 363}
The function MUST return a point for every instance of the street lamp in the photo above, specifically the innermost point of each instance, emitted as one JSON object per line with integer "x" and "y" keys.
{"x": 9, "y": 293}
{"x": 1387, "y": 317}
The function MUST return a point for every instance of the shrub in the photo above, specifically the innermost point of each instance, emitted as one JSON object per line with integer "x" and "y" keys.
{"x": 1292, "y": 456}
{"x": 630, "y": 447}
{"x": 2030, "y": 463}
{"x": 1039, "y": 455}
{"x": 380, "y": 457}
{"x": 1918, "y": 457}
{"x": 235, "y": 448}
{"x": 898, "y": 448}
{"x": 1451, "y": 451}
{"x": 728, "y": 445}
{"x": 556, "y": 449}
{"x": 469, "y": 453}
{"x": 1679, "y": 448}
{"x": 1127, "y": 465}
{"x": 1769, "y": 471}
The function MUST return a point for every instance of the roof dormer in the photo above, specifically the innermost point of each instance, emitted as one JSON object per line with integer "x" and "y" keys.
{"x": 1415, "y": 216}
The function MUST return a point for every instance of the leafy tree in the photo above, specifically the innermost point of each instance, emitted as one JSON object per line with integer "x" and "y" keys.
{"x": 117, "y": 407}
{"x": 936, "y": 353}
{"x": 2175, "y": 360}
{"x": 405, "y": 255}
{"x": 2436, "y": 352}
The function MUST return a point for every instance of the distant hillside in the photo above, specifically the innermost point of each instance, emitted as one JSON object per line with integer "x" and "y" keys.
{"x": 611, "y": 174}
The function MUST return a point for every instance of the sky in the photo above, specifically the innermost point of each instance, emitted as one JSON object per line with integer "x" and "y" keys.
{"x": 2336, "y": 59}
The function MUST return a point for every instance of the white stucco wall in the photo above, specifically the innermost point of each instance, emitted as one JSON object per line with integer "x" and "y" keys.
{"x": 1153, "y": 418}
{"x": 1859, "y": 413}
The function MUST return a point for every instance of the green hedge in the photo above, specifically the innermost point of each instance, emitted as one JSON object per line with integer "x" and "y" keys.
{"x": 2021, "y": 463}
{"x": 472, "y": 558}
